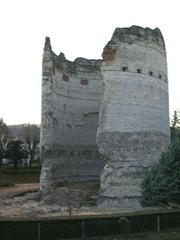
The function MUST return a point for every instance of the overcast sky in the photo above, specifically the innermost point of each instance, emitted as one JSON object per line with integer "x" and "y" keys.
{"x": 79, "y": 28}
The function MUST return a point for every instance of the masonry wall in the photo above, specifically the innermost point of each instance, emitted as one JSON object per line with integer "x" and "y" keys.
{"x": 107, "y": 118}
{"x": 134, "y": 118}
{"x": 76, "y": 101}
{"x": 76, "y": 91}
{"x": 46, "y": 119}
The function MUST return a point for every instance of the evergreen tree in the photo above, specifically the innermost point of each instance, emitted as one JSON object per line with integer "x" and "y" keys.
{"x": 3, "y": 140}
{"x": 175, "y": 125}
{"x": 15, "y": 151}
{"x": 161, "y": 185}
{"x": 175, "y": 120}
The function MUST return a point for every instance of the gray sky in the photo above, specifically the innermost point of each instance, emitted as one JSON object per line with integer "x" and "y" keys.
{"x": 79, "y": 28}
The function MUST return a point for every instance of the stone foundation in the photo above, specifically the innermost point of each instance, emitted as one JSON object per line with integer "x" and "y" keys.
{"x": 130, "y": 156}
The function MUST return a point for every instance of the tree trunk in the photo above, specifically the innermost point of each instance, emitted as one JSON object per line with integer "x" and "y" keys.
{"x": 15, "y": 164}
{"x": 0, "y": 163}
{"x": 31, "y": 159}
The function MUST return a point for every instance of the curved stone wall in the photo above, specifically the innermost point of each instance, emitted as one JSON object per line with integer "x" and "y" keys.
{"x": 69, "y": 128}
{"x": 129, "y": 88}
{"x": 76, "y": 101}
{"x": 134, "y": 118}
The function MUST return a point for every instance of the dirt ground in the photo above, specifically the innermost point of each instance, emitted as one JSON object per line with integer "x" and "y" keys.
{"x": 24, "y": 200}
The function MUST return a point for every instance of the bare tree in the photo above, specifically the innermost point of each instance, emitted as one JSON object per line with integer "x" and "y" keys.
{"x": 31, "y": 135}
{"x": 3, "y": 140}
{"x": 3, "y": 128}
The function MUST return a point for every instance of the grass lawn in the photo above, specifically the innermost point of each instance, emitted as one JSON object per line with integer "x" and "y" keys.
{"x": 18, "y": 176}
{"x": 174, "y": 235}
{"x": 166, "y": 235}
{"x": 18, "y": 179}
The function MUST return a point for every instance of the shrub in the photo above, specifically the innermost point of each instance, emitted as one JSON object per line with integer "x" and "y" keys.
{"x": 161, "y": 185}
{"x": 20, "y": 171}
{"x": 6, "y": 183}
{"x": 125, "y": 225}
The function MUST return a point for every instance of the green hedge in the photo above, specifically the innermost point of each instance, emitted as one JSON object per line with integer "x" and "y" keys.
{"x": 20, "y": 171}
{"x": 19, "y": 231}
{"x": 20, "y": 178}
{"x": 78, "y": 226}
{"x": 6, "y": 183}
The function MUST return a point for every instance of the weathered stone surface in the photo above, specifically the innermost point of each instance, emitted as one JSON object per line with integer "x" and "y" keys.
{"x": 120, "y": 101}
{"x": 136, "y": 34}
{"x": 130, "y": 155}
{"x": 71, "y": 197}
{"x": 134, "y": 116}
{"x": 71, "y": 97}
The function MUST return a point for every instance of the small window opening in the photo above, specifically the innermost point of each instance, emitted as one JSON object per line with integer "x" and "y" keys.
{"x": 160, "y": 76}
{"x": 65, "y": 77}
{"x": 139, "y": 70}
{"x": 84, "y": 82}
{"x": 55, "y": 123}
{"x": 151, "y": 73}
{"x": 124, "y": 69}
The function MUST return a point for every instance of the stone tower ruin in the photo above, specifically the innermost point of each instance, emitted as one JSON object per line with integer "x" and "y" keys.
{"x": 71, "y": 100}
{"x": 134, "y": 117}
{"x": 106, "y": 119}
